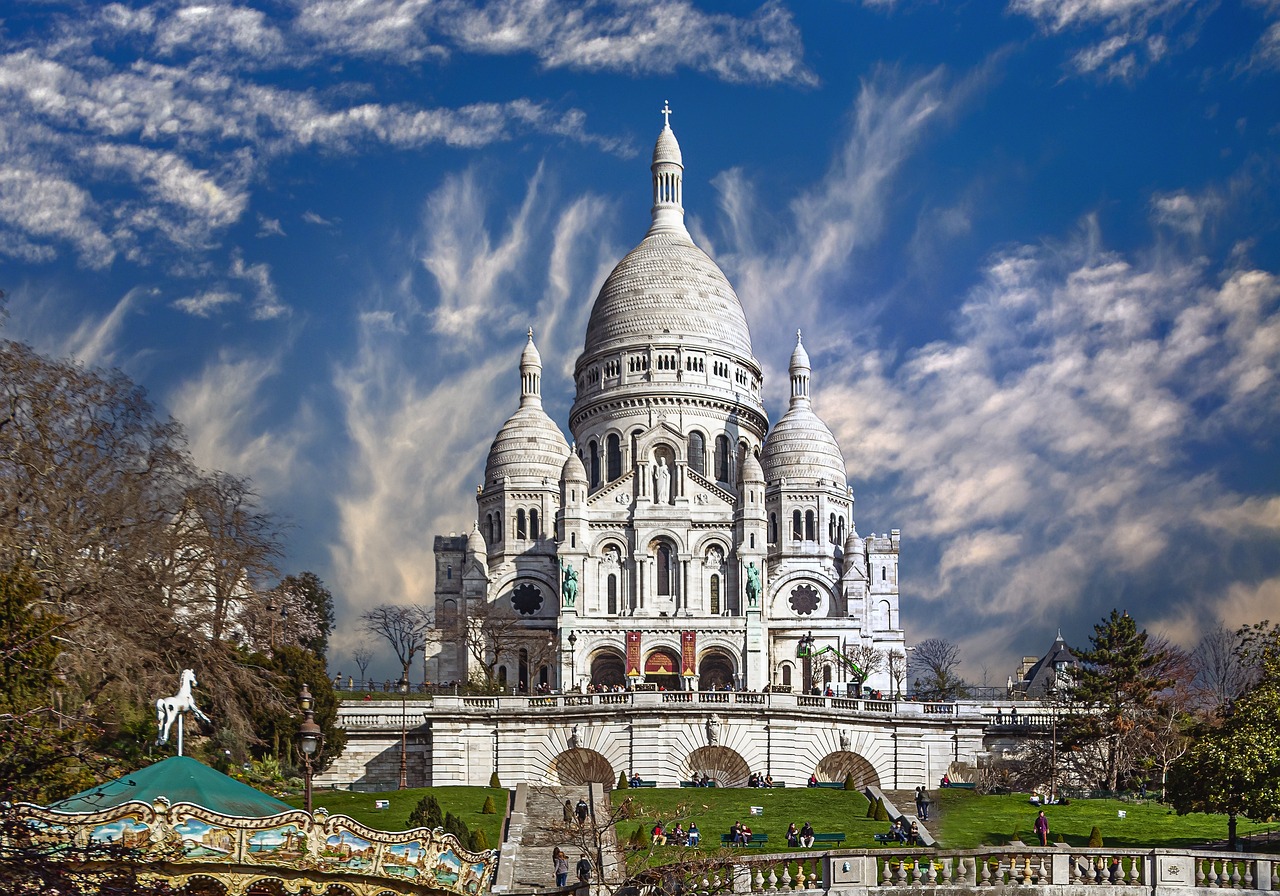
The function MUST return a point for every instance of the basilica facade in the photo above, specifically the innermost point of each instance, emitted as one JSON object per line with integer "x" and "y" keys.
{"x": 680, "y": 541}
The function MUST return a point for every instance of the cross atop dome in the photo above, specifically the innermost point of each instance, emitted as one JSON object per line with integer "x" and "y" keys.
{"x": 666, "y": 114}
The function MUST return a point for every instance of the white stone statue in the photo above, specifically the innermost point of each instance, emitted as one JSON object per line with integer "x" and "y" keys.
{"x": 713, "y": 730}
{"x": 662, "y": 485}
{"x": 844, "y": 741}
{"x": 170, "y": 708}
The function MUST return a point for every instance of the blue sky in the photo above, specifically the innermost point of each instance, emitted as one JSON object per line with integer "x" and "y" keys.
{"x": 1033, "y": 248}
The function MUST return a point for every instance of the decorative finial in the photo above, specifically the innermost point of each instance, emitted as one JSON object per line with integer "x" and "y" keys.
{"x": 798, "y": 339}
{"x": 531, "y": 334}
{"x": 666, "y": 114}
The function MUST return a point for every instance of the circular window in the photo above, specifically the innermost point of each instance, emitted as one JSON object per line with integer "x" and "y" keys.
{"x": 527, "y": 599}
{"x": 804, "y": 599}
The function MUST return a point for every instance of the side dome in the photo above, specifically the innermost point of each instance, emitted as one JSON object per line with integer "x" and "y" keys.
{"x": 801, "y": 448}
{"x": 574, "y": 470}
{"x": 529, "y": 445}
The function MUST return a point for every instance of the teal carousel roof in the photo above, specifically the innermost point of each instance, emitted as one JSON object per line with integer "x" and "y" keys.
{"x": 178, "y": 779}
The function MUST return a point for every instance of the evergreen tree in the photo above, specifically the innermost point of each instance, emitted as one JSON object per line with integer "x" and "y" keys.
{"x": 1234, "y": 766}
{"x": 426, "y": 814}
{"x": 493, "y": 780}
{"x": 489, "y": 807}
{"x": 1108, "y": 732}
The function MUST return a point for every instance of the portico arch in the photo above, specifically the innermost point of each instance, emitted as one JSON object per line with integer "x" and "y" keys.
{"x": 721, "y": 764}
{"x": 838, "y": 765}
{"x": 608, "y": 668}
{"x": 716, "y": 671}
{"x": 582, "y": 766}
{"x": 662, "y": 667}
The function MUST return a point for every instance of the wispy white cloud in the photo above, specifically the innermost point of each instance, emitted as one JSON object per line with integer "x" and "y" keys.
{"x": 206, "y": 304}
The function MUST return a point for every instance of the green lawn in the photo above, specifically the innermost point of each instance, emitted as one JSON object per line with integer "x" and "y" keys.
{"x": 969, "y": 820}
{"x": 715, "y": 809}
{"x": 464, "y": 802}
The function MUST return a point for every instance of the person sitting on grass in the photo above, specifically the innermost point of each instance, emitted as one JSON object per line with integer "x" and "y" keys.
{"x": 677, "y": 835}
{"x": 695, "y": 836}
{"x": 659, "y": 835}
{"x": 913, "y": 838}
{"x": 806, "y": 835}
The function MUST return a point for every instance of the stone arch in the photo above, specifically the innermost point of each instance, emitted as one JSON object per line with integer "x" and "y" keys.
{"x": 836, "y": 766}
{"x": 608, "y": 667}
{"x": 716, "y": 669}
{"x": 721, "y": 764}
{"x": 582, "y": 766}
{"x": 662, "y": 667}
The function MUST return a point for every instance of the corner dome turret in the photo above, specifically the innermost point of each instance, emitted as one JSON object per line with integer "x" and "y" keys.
{"x": 529, "y": 446}
{"x": 800, "y": 448}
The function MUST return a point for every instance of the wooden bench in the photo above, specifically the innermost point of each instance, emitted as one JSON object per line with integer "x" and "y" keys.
{"x": 961, "y": 785}
{"x": 757, "y": 841}
{"x": 837, "y": 839}
{"x": 831, "y": 785}
{"x": 643, "y": 784}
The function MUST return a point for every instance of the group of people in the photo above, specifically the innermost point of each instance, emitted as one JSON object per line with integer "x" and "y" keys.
{"x": 739, "y": 834}
{"x": 560, "y": 862}
{"x": 802, "y": 837}
{"x": 755, "y": 779}
{"x": 580, "y": 811}
{"x": 703, "y": 781}
{"x": 904, "y": 832}
{"x": 676, "y": 836}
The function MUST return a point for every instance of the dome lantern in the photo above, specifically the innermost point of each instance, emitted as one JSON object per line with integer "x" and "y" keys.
{"x": 668, "y": 178}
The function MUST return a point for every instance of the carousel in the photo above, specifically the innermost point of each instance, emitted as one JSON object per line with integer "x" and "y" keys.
{"x": 199, "y": 832}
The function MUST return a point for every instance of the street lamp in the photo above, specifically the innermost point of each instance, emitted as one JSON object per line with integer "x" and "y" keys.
{"x": 310, "y": 738}
{"x": 573, "y": 673}
{"x": 403, "y": 685}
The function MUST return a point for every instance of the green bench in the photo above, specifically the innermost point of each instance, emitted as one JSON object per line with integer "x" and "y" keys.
{"x": 837, "y": 839}
{"x": 886, "y": 838}
{"x": 757, "y": 841}
{"x": 643, "y": 784}
{"x": 696, "y": 784}
{"x": 831, "y": 785}
{"x": 961, "y": 785}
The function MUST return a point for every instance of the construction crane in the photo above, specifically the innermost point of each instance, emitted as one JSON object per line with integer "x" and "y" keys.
{"x": 804, "y": 650}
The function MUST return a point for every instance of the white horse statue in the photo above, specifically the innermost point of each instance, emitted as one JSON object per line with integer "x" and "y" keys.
{"x": 170, "y": 708}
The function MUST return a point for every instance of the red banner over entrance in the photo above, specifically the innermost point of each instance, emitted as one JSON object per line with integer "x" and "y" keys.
{"x": 659, "y": 664}
{"x": 633, "y": 654}
{"x": 688, "y": 654}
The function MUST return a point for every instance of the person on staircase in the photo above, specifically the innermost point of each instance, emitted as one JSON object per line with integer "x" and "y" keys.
{"x": 560, "y": 862}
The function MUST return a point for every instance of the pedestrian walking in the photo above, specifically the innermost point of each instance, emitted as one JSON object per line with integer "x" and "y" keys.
{"x": 584, "y": 870}
{"x": 582, "y": 811}
{"x": 560, "y": 862}
{"x": 924, "y": 804}
{"x": 1042, "y": 828}
{"x": 568, "y": 811}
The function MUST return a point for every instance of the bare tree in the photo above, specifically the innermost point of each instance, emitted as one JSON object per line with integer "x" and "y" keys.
{"x": 406, "y": 629}
{"x": 932, "y": 668}
{"x": 867, "y": 658}
{"x": 896, "y": 663}
{"x": 1221, "y": 673}
{"x": 495, "y": 637}
{"x": 363, "y": 655}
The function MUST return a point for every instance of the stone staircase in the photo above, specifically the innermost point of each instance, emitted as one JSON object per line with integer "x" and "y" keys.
{"x": 904, "y": 801}
{"x": 537, "y": 826}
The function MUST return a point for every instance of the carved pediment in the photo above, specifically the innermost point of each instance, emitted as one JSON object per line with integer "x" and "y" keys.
{"x": 619, "y": 492}
{"x": 699, "y": 484}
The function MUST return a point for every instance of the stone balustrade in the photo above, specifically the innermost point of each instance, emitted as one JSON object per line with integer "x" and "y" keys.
{"x": 1065, "y": 870}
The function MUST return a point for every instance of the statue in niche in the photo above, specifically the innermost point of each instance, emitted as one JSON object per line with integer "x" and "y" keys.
{"x": 844, "y": 741}
{"x": 753, "y": 584}
{"x": 715, "y": 558}
{"x": 574, "y": 743}
{"x": 569, "y": 584}
{"x": 662, "y": 482}
{"x": 713, "y": 730}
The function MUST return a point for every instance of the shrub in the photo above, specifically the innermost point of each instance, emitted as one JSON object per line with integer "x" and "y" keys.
{"x": 493, "y": 779}
{"x": 871, "y": 808}
{"x": 1095, "y": 837}
{"x": 489, "y": 807}
{"x": 882, "y": 814}
{"x": 849, "y": 783}
{"x": 1061, "y": 838}
{"x": 623, "y": 783}
{"x": 426, "y": 814}
{"x": 479, "y": 841}
{"x": 1015, "y": 837}
{"x": 637, "y": 839}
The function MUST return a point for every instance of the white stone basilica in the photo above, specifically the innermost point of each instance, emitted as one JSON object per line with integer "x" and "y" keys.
{"x": 682, "y": 541}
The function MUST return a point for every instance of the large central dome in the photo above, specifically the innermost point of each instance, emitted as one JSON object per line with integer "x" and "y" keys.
{"x": 667, "y": 288}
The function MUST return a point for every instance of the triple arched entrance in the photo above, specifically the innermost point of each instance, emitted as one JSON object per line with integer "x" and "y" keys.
{"x": 716, "y": 669}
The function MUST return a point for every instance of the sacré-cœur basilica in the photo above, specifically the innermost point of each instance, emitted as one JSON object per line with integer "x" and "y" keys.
{"x": 676, "y": 591}
{"x": 677, "y": 539}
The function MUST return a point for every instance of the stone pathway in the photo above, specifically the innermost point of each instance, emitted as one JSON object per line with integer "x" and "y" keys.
{"x": 537, "y": 827}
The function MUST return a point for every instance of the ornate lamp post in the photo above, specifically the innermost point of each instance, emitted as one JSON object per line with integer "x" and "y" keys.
{"x": 310, "y": 738}
{"x": 403, "y": 685}
{"x": 573, "y": 672}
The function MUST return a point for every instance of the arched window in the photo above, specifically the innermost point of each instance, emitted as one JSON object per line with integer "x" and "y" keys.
{"x": 831, "y": 529}
{"x": 613, "y": 457}
{"x": 521, "y": 531}
{"x": 449, "y": 615}
{"x": 593, "y": 463}
{"x": 698, "y": 453}
{"x": 809, "y": 527}
{"x": 773, "y": 528}
{"x": 612, "y": 591}
{"x": 797, "y": 531}
{"x": 722, "y": 458}
{"x": 524, "y": 669}
{"x": 753, "y": 539}
{"x": 488, "y": 526}
{"x": 786, "y": 675}
{"x": 502, "y": 676}
{"x": 884, "y": 573}
{"x": 715, "y": 595}
{"x": 840, "y": 531}
{"x": 448, "y": 574}
{"x": 533, "y": 524}
{"x": 664, "y": 570}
